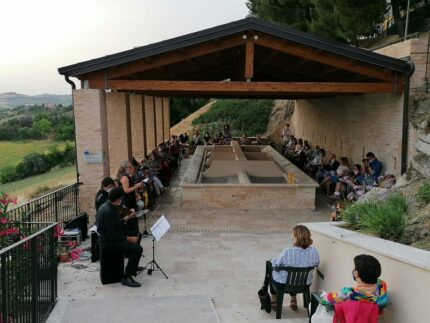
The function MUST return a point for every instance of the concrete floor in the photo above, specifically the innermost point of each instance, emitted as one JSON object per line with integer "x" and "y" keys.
{"x": 208, "y": 254}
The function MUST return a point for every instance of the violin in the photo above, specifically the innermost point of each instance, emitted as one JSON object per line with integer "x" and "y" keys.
{"x": 124, "y": 211}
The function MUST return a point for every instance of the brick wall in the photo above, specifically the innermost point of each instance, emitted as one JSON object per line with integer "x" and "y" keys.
{"x": 119, "y": 150}
{"x": 137, "y": 126}
{"x": 159, "y": 119}
{"x": 150, "y": 125}
{"x": 353, "y": 125}
{"x": 166, "y": 117}
{"x": 91, "y": 127}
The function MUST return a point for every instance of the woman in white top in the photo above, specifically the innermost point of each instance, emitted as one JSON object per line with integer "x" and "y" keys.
{"x": 333, "y": 178}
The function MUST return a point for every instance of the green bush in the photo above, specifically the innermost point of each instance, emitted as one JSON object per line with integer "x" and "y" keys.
{"x": 423, "y": 194}
{"x": 384, "y": 219}
{"x": 8, "y": 174}
{"x": 243, "y": 116}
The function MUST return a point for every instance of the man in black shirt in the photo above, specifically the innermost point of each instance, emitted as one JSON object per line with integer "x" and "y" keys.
{"x": 102, "y": 195}
{"x": 109, "y": 227}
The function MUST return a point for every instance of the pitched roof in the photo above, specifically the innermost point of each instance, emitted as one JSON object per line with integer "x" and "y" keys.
{"x": 243, "y": 25}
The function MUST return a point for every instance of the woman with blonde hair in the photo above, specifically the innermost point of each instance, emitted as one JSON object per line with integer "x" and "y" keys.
{"x": 301, "y": 255}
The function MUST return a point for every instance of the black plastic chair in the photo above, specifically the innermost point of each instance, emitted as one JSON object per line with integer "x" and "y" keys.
{"x": 296, "y": 283}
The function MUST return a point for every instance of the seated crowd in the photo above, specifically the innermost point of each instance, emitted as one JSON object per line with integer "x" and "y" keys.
{"x": 219, "y": 137}
{"x": 335, "y": 177}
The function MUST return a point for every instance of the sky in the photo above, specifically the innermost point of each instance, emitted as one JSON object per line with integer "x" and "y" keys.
{"x": 39, "y": 36}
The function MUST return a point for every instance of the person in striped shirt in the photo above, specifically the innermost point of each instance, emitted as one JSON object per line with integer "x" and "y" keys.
{"x": 302, "y": 254}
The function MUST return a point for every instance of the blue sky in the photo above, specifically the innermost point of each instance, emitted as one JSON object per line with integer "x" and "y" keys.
{"x": 37, "y": 37}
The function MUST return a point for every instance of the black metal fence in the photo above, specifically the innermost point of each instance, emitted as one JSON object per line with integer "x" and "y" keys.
{"x": 28, "y": 274}
{"x": 58, "y": 206}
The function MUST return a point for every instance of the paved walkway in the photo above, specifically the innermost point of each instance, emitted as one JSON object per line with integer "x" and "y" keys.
{"x": 216, "y": 256}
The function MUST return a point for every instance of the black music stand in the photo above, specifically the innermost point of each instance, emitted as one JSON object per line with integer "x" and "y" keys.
{"x": 160, "y": 227}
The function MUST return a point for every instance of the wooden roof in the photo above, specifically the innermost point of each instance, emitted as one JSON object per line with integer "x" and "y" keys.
{"x": 246, "y": 58}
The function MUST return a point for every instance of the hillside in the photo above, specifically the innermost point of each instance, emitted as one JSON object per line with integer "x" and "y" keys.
{"x": 12, "y": 99}
{"x": 186, "y": 124}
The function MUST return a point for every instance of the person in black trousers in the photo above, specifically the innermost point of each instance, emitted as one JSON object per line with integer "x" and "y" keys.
{"x": 109, "y": 227}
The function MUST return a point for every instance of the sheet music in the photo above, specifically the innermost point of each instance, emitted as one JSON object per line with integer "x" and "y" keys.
{"x": 160, "y": 227}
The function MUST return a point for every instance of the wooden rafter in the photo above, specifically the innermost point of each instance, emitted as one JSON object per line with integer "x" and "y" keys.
{"x": 176, "y": 56}
{"x": 324, "y": 58}
{"x": 249, "y": 60}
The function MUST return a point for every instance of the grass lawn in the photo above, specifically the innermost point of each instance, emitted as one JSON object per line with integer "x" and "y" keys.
{"x": 40, "y": 184}
{"x": 12, "y": 152}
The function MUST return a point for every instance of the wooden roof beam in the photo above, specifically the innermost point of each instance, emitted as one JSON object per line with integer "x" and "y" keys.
{"x": 249, "y": 60}
{"x": 243, "y": 88}
{"x": 176, "y": 56}
{"x": 325, "y": 58}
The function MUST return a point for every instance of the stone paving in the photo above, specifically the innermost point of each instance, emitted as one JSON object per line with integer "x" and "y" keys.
{"x": 208, "y": 254}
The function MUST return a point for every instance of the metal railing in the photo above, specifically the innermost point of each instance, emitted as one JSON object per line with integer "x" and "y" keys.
{"x": 58, "y": 206}
{"x": 28, "y": 275}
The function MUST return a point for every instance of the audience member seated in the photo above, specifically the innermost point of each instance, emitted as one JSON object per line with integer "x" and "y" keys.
{"x": 330, "y": 166}
{"x": 369, "y": 288}
{"x": 373, "y": 166}
{"x": 197, "y": 139}
{"x": 244, "y": 140}
{"x": 227, "y": 138}
{"x": 333, "y": 176}
{"x": 317, "y": 163}
{"x": 258, "y": 140}
{"x": 302, "y": 254}
{"x": 207, "y": 138}
{"x": 347, "y": 184}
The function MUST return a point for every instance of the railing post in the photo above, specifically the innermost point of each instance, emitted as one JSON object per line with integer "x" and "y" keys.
{"x": 76, "y": 189}
{"x": 56, "y": 206}
{"x": 34, "y": 280}
{"x": 4, "y": 290}
{"x": 53, "y": 276}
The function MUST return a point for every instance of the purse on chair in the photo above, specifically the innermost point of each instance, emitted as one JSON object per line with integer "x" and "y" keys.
{"x": 265, "y": 299}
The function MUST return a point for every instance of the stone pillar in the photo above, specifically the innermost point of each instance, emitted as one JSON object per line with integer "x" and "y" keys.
{"x": 166, "y": 117}
{"x": 159, "y": 119}
{"x": 119, "y": 129}
{"x": 150, "y": 129}
{"x": 91, "y": 145}
{"x": 137, "y": 126}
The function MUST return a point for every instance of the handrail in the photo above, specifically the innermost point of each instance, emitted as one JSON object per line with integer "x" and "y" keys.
{"x": 32, "y": 236}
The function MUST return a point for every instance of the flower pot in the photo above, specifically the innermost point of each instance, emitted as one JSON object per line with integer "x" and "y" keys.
{"x": 64, "y": 257}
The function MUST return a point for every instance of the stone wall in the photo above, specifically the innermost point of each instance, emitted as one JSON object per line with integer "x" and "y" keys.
{"x": 351, "y": 126}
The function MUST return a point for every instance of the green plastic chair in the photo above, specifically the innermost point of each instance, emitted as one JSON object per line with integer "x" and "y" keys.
{"x": 296, "y": 283}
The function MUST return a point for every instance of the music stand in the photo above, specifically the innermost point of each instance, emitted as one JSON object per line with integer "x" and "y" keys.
{"x": 158, "y": 230}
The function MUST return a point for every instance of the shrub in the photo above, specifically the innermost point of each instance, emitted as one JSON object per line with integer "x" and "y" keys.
{"x": 8, "y": 174}
{"x": 385, "y": 219}
{"x": 243, "y": 116}
{"x": 423, "y": 194}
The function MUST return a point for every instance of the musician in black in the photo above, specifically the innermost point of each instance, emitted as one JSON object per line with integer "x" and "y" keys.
{"x": 129, "y": 187}
{"x": 102, "y": 195}
{"x": 109, "y": 227}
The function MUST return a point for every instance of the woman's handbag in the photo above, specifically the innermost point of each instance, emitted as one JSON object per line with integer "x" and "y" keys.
{"x": 265, "y": 299}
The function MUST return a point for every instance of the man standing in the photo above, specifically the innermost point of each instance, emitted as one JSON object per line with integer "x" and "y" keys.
{"x": 373, "y": 166}
{"x": 109, "y": 227}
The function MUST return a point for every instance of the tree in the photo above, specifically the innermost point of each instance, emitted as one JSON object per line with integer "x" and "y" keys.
{"x": 397, "y": 7}
{"x": 292, "y": 13}
{"x": 42, "y": 125}
{"x": 343, "y": 20}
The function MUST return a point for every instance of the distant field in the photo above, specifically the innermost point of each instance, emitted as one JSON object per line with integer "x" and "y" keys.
{"x": 27, "y": 188}
{"x": 11, "y": 152}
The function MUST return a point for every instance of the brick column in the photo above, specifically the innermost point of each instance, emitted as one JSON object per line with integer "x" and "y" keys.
{"x": 119, "y": 129}
{"x": 137, "y": 126}
{"x": 91, "y": 142}
{"x": 150, "y": 123}
{"x": 159, "y": 119}
{"x": 166, "y": 117}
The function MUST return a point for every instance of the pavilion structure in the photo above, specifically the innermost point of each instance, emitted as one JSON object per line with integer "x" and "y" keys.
{"x": 122, "y": 106}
